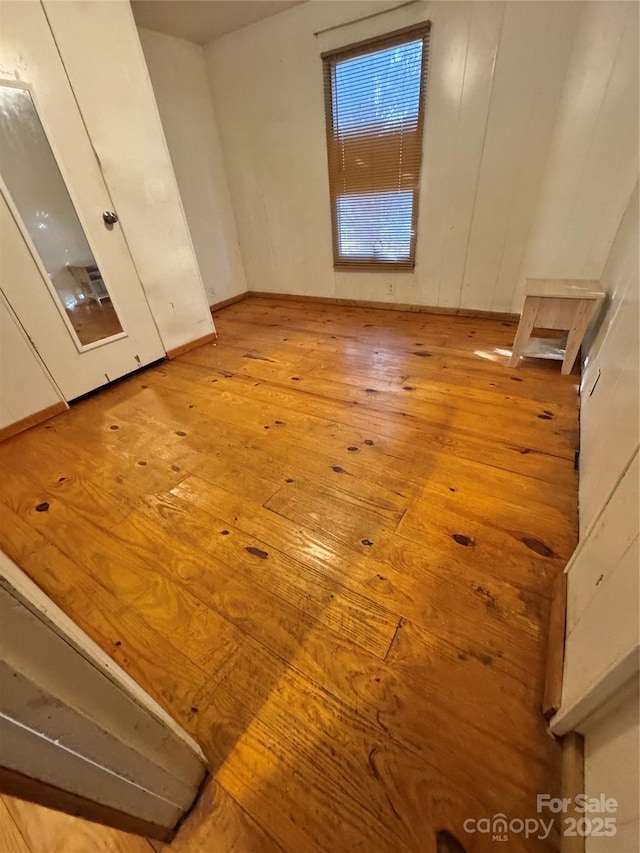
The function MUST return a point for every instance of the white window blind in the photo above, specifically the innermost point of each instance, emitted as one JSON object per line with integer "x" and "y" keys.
{"x": 374, "y": 100}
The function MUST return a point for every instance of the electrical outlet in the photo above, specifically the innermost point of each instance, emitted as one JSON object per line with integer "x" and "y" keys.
{"x": 391, "y": 288}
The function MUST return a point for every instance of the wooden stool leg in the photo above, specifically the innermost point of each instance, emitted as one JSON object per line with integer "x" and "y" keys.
{"x": 582, "y": 318}
{"x": 525, "y": 327}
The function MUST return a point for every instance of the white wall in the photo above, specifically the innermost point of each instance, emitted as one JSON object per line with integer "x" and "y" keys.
{"x": 25, "y": 386}
{"x": 593, "y": 159}
{"x": 530, "y": 146}
{"x": 496, "y": 78}
{"x": 609, "y": 419}
{"x": 612, "y": 746}
{"x": 179, "y": 77}
{"x": 101, "y": 51}
{"x": 602, "y": 645}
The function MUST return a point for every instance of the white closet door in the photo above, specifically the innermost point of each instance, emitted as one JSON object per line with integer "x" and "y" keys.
{"x": 66, "y": 268}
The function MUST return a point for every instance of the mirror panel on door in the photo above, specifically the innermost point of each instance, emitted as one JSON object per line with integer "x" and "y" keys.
{"x": 33, "y": 180}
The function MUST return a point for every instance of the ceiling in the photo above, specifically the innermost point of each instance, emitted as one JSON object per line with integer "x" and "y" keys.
{"x": 203, "y": 20}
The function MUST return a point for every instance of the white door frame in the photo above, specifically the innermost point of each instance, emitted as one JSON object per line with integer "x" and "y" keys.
{"x": 76, "y": 732}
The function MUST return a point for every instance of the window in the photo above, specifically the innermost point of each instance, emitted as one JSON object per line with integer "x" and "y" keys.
{"x": 374, "y": 101}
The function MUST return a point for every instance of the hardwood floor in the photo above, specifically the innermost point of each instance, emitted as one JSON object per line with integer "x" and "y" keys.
{"x": 94, "y": 321}
{"x": 326, "y": 546}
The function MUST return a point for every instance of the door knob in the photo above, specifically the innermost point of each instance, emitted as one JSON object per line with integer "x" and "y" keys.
{"x": 110, "y": 217}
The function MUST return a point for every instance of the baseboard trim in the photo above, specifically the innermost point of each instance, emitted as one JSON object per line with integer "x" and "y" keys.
{"x": 607, "y": 689}
{"x": 198, "y": 342}
{"x": 389, "y": 306}
{"x": 555, "y": 648}
{"x": 230, "y": 301}
{"x": 33, "y": 420}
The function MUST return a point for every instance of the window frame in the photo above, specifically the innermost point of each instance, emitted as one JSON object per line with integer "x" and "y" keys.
{"x": 329, "y": 58}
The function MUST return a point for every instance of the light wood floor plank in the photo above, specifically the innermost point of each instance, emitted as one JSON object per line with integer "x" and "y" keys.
{"x": 218, "y": 823}
{"x": 413, "y": 581}
{"x": 326, "y": 545}
{"x": 48, "y": 831}
{"x": 11, "y": 839}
